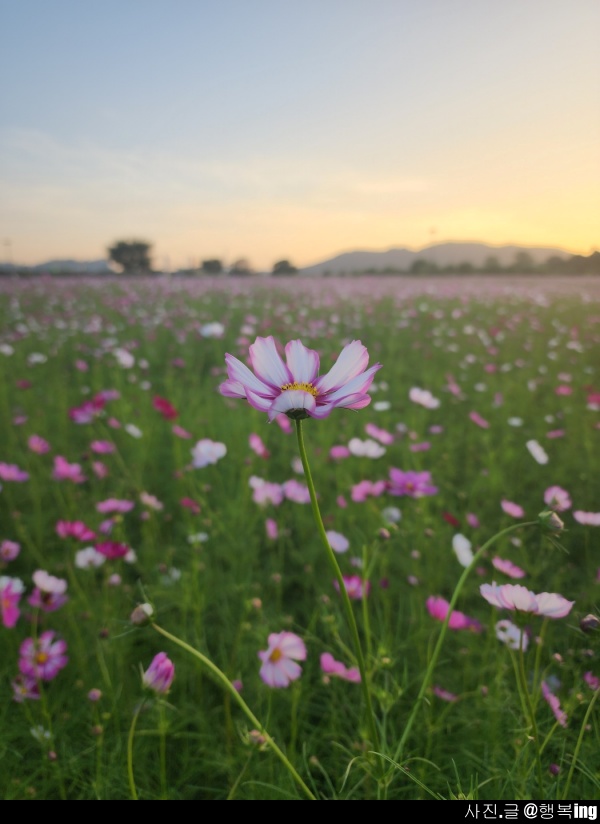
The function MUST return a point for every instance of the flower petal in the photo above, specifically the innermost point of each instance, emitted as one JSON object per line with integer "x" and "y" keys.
{"x": 267, "y": 363}
{"x": 292, "y": 399}
{"x": 352, "y": 360}
{"x": 292, "y": 646}
{"x": 258, "y": 402}
{"x": 238, "y": 371}
{"x": 303, "y": 363}
{"x": 357, "y": 385}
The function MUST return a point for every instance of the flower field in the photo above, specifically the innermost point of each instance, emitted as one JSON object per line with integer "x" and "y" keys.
{"x": 330, "y": 539}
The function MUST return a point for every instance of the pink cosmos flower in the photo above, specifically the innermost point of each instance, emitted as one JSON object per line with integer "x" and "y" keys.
{"x": 554, "y": 703}
{"x": 295, "y": 387}
{"x": 424, "y": 446}
{"x": 332, "y": 667}
{"x": 284, "y": 423}
{"x": 476, "y": 418}
{"x": 151, "y": 501}
{"x": 160, "y": 674}
{"x": 440, "y": 692}
{"x": 38, "y": 444}
{"x": 64, "y": 471}
{"x": 43, "y": 658}
{"x": 592, "y": 681}
{"x": 520, "y": 599}
{"x": 587, "y": 518}
{"x": 413, "y": 484}
{"x": 354, "y": 587}
{"x": 11, "y": 590}
{"x": 74, "y": 529}
{"x": 279, "y": 661}
{"x": 557, "y": 498}
{"x": 25, "y": 688}
{"x": 555, "y": 433}
{"x": 180, "y": 432}
{"x": 339, "y": 452}
{"x": 87, "y": 411}
{"x": 365, "y": 489}
{"x": 207, "y": 452}
{"x": 423, "y": 397}
{"x": 102, "y": 447}
{"x": 257, "y": 446}
{"x": 49, "y": 593}
{"x": 296, "y": 491}
{"x": 438, "y": 608}
{"x": 9, "y": 550}
{"x": 512, "y": 509}
{"x": 508, "y": 568}
{"x": 166, "y": 409}
{"x": 381, "y": 435}
{"x": 114, "y": 505}
{"x": 266, "y": 492}
{"x": 11, "y": 472}
{"x": 473, "y": 520}
{"x": 189, "y": 503}
{"x": 272, "y": 529}
{"x": 341, "y": 502}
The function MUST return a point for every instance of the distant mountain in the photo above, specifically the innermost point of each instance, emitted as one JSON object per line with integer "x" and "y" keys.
{"x": 442, "y": 254}
{"x": 91, "y": 267}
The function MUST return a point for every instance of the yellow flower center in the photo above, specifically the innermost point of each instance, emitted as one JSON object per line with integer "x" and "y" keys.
{"x": 275, "y": 656}
{"x": 41, "y": 658}
{"x": 305, "y": 387}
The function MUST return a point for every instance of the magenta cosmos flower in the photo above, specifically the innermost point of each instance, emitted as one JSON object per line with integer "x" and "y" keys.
{"x": 43, "y": 658}
{"x": 279, "y": 667}
{"x": 160, "y": 674}
{"x": 295, "y": 387}
{"x": 520, "y": 599}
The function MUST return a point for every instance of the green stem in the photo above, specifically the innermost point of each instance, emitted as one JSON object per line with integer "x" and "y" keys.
{"x": 531, "y": 713}
{"x": 578, "y": 745}
{"x": 134, "y": 794}
{"x": 438, "y": 647}
{"x": 222, "y": 679}
{"x": 343, "y": 592}
{"x": 163, "y": 751}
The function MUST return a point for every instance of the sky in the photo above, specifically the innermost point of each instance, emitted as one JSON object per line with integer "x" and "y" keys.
{"x": 279, "y": 129}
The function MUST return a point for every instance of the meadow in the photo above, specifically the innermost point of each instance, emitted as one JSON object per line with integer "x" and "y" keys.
{"x": 143, "y": 512}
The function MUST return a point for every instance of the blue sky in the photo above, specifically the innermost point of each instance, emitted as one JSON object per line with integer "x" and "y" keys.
{"x": 272, "y": 129}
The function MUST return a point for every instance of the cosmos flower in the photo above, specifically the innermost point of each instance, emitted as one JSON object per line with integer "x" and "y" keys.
{"x": 520, "y": 599}
{"x": 49, "y": 593}
{"x": 438, "y": 608}
{"x": 74, "y": 529}
{"x": 365, "y": 449}
{"x": 481, "y": 422}
{"x": 166, "y": 409}
{"x": 257, "y": 445}
{"x": 279, "y": 661}
{"x": 160, "y": 674}
{"x": 25, "y": 687}
{"x": 587, "y": 518}
{"x": 43, "y": 658}
{"x": 9, "y": 550}
{"x": 114, "y": 505}
{"x": 462, "y": 549}
{"x": 512, "y": 509}
{"x": 332, "y": 667}
{"x": 554, "y": 704}
{"x": 11, "y": 590}
{"x": 423, "y": 397}
{"x": 11, "y": 472}
{"x": 412, "y": 484}
{"x": 537, "y": 452}
{"x": 508, "y": 568}
{"x": 207, "y": 452}
{"x": 362, "y": 490}
{"x": 64, "y": 471}
{"x": 557, "y": 498}
{"x": 338, "y": 542}
{"x": 38, "y": 444}
{"x": 511, "y": 635}
{"x": 296, "y": 491}
{"x": 354, "y": 587}
{"x": 295, "y": 387}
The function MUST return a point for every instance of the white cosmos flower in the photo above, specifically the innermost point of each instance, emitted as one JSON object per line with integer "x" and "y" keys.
{"x": 207, "y": 452}
{"x": 462, "y": 549}
{"x": 89, "y": 558}
{"x": 6, "y": 349}
{"x": 423, "y": 397}
{"x": 365, "y": 449}
{"x": 337, "y": 541}
{"x": 537, "y": 452}
{"x": 133, "y": 430}
{"x": 124, "y": 358}
{"x": 510, "y": 634}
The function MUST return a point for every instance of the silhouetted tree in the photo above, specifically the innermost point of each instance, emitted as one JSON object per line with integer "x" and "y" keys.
{"x": 212, "y": 266}
{"x": 132, "y": 255}
{"x": 284, "y": 267}
{"x": 523, "y": 262}
{"x": 241, "y": 267}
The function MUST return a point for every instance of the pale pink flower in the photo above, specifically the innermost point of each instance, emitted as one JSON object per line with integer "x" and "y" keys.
{"x": 102, "y": 447}
{"x": 476, "y": 418}
{"x": 332, "y": 667}
{"x": 279, "y": 661}
{"x": 257, "y": 446}
{"x": 592, "y": 680}
{"x": 365, "y": 489}
{"x": 381, "y": 435}
{"x": 180, "y": 432}
{"x": 151, "y": 501}
{"x": 9, "y": 550}
{"x": 440, "y": 692}
{"x": 554, "y": 703}
{"x": 100, "y": 469}
{"x": 272, "y": 529}
{"x": 49, "y": 593}
{"x": 537, "y": 452}
{"x": 265, "y": 492}
{"x": 508, "y": 568}
{"x": 473, "y": 520}
{"x": 341, "y": 502}
{"x": 25, "y": 688}
{"x": 338, "y": 542}
{"x": 114, "y": 505}
{"x": 423, "y": 397}
{"x": 511, "y": 635}
{"x": 556, "y": 433}
{"x": 283, "y": 422}
{"x": 520, "y": 599}
{"x": 354, "y": 587}
{"x": 295, "y": 387}
{"x": 43, "y": 658}
{"x": 512, "y": 509}
{"x": 38, "y": 444}
{"x": 296, "y": 491}
{"x": 89, "y": 558}
{"x": 424, "y": 446}
{"x": 159, "y": 675}
{"x": 438, "y": 608}
{"x": 557, "y": 498}
{"x": 11, "y": 472}
{"x": 462, "y": 549}
{"x": 339, "y": 452}
{"x": 207, "y": 452}
{"x": 587, "y": 518}
{"x": 11, "y": 590}
{"x": 64, "y": 471}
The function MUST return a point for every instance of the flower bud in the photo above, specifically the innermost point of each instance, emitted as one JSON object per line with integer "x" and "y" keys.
{"x": 159, "y": 675}
{"x": 589, "y": 623}
{"x": 142, "y": 615}
{"x": 550, "y": 521}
